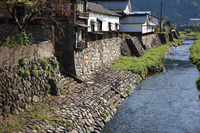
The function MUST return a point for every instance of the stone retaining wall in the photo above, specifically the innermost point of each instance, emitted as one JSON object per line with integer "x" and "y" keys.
{"x": 23, "y": 85}
{"x": 151, "y": 41}
{"x": 99, "y": 54}
{"x": 27, "y": 73}
{"x": 11, "y": 56}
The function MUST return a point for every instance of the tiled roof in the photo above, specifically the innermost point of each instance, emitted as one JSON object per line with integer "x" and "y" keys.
{"x": 100, "y": 9}
{"x": 112, "y": 4}
{"x": 133, "y": 19}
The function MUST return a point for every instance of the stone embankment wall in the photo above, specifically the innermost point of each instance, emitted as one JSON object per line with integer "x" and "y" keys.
{"x": 151, "y": 41}
{"x": 99, "y": 54}
{"x": 27, "y": 73}
{"x": 11, "y": 56}
{"x": 135, "y": 46}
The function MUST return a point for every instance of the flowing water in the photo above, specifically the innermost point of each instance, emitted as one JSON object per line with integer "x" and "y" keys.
{"x": 164, "y": 103}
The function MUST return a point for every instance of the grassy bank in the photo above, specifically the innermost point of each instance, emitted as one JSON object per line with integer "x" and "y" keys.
{"x": 195, "y": 54}
{"x": 152, "y": 59}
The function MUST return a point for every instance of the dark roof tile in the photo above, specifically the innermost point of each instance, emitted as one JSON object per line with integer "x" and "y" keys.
{"x": 100, "y": 9}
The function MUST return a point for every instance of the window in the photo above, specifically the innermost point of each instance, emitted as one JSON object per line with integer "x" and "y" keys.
{"x": 92, "y": 27}
{"x": 80, "y": 39}
{"x": 81, "y": 5}
{"x": 110, "y": 26}
{"x": 116, "y": 26}
{"x": 99, "y": 25}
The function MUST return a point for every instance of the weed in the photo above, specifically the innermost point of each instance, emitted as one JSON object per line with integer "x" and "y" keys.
{"x": 34, "y": 72}
{"x": 45, "y": 64}
{"x": 24, "y": 82}
{"x": 19, "y": 39}
{"x": 55, "y": 63}
{"x": 23, "y": 61}
{"x": 80, "y": 120}
{"x": 128, "y": 90}
{"x": 21, "y": 72}
{"x": 61, "y": 89}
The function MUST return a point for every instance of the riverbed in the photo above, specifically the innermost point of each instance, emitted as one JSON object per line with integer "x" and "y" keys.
{"x": 166, "y": 102}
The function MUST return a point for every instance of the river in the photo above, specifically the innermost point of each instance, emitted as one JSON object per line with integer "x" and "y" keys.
{"x": 164, "y": 103}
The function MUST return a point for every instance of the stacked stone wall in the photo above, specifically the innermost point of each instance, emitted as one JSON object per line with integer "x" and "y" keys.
{"x": 26, "y": 76}
{"x": 99, "y": 54}
{"x": 151, "y": 41}
{"x": 11, "y": 56}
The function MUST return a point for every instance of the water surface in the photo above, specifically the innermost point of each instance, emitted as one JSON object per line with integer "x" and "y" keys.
{"x": 167, "y": 102}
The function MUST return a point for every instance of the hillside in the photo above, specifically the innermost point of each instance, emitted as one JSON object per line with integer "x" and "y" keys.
{"x": 178, "y": 11}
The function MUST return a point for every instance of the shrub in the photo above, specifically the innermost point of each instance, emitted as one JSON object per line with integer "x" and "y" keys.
{"x": 188, "y": 30}
{"x": 34, "y": 72}
{"x": 45, "y": 64}
{"x": 55, "y": 63}
{"x": 23, "y": 62}
{"x": 21, "y": 72}
{"x": 19, "y": 39}
{"x": 26, "y": 73}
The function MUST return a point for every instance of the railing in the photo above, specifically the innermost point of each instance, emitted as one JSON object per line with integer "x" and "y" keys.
{"x": 82, "y": 14}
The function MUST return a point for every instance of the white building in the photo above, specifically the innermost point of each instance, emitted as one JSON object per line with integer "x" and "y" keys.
{"x": 136, "y": 24}
{"x": 102, "y": 20}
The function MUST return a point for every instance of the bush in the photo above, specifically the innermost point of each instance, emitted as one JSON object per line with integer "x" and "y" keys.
{"x": 45, "y": 64}
{"x": 55, "y": 63}
{"x": 19, "y": 39}
{"x": 23, "y": 62}
{"x": 188, "y": 30}
{"x": 34, "y": 72}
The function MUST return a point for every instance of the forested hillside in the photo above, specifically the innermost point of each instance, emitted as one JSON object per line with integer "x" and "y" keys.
{"x": 176, "y": 10}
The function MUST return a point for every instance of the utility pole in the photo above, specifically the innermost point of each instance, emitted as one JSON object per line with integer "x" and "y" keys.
{"x": 161, "y": 17}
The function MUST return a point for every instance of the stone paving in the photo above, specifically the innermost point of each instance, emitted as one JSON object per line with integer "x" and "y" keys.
{"x": 81, "y": 108}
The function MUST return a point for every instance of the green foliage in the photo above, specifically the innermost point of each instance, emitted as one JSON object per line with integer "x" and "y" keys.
{"x": 45, "y": 64}
{"x": 128, "y": 90}
{"x": 146, "y": 63}
{"x": 55, "y": 63}
{"x": 196, "y": 28}
{"x": 47, "y": 86}
{"x": 62, "y": 68}
{"x": 34, "y": 72}
{"x": 24, "y": 71}
{"x": 169, "y": 23}
{"x": 188, "y": 30}
{"x": 51, "y": 72}
{"x": 198, "y": 83}
{"x": 21, "y": 72}
{"x": 24, "y": 82}
{"x": 19, "y": 39}
{"x": 23, "y": 61}
{"x": 80, "y": 120}
{"x": 61, "y": 89}
{"x": 195, "y": 55}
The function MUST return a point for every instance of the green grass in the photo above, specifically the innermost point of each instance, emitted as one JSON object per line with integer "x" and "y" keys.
{"x": 144, "y": 64}
{"x": 195, "y": 55}
{"x": 37, "y": 113}
{"x": 176, "y": 41}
